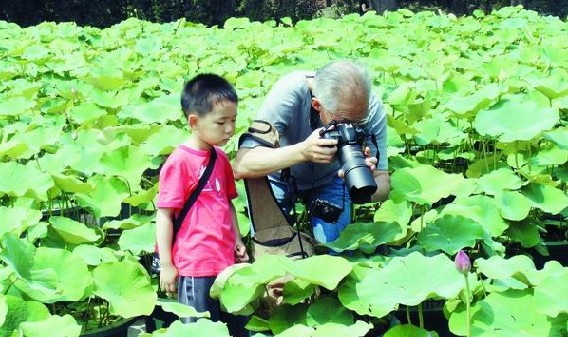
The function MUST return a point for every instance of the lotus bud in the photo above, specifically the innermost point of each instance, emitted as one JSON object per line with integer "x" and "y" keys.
{"x": 463, "y": 264}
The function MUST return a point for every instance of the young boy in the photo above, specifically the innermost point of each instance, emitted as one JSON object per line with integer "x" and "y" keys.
{"x": 208, "y": 240}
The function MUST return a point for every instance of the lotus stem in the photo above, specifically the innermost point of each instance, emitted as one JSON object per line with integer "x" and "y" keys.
{"x": 467, "y": 306}
{"x": 421, "y": 315}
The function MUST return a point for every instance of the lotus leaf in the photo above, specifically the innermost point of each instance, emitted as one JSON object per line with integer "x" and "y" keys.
{"x": 20, "y": 311}
{"x": 505, "y": 315}
{"x": 425, "y": 184}
{"x": 131, "y": 294}
{"x": 72, "y": 231}
{"x": 546, "y": 197}
{"x": 407, "y": 280}
{"x": 24, "y": 180}
{"x": 408, "y": 330}
{"x": 365, "y": 236}
{"x": 511, "y": 121}
{"x": 53, "y": 326}
{"x": 328, "y": 310}
{"x": 450, "y": 234}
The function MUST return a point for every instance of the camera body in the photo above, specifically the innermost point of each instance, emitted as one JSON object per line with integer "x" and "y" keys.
{"x": 358, "y": 177}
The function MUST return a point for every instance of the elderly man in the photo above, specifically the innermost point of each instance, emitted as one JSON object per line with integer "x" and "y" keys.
{"x": 299, "y": 106}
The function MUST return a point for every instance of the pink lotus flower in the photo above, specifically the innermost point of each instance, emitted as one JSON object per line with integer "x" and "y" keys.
{"x": 463, "y": 264}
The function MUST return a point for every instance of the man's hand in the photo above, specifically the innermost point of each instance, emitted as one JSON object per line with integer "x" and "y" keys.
{"x": 318, "y": 150}
{"x": 370, "y": 161}
{"x": 241, "y": 252}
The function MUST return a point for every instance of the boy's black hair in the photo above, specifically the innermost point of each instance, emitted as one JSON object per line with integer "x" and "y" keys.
{"x": 201, "y": 93}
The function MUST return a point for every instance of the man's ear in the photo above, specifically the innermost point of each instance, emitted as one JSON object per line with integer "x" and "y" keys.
{"x": 192, "y": 120}
{"x": 316, "y": 105}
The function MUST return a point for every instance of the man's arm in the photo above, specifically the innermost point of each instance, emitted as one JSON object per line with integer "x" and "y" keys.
{"x": 260, "y": 161}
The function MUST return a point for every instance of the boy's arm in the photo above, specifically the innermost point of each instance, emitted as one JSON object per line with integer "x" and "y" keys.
{"x": 164, "y": 234}
{"x": 240, "y": 248}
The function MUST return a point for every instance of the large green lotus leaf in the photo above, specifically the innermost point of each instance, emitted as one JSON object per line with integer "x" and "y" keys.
{"x": 40, "y": 137}
{"x": 514, "y": 206}
{"x": 106, "y": 77}
{"x": 296, "y": 291}
{"x": 450, "y": 233}
{"x": 518, "y": 267}
{"x": 17, "y": 219}
{"x": 401, "y": 127}
{"x": 510, "y": 121}
{"x": 138, "y": 133}
{"x": 484, "y": 166}
{"x": 237, "y": 286}
{"x": 3, "y": 309}
{"x": 15, "y": 149}
{"x": 286, "y": 316}
{"x": 365, "y": 236}
{"x": 128, "y": 162}
{"x": 83, "y": 152}
{"x": 106, "y": 198}
{"x": 134, "y": 221}
{"x": 526, "y": 232}
{"x": 110, "y": 99}
{"x": 507, "y": 314}
{"x": 498, "y": 180}
{"x": 85, "y": 113}
{"x": 550, "y": 155}
{"x": 72, "y": 231}
{"x": 399, "y": 212}
{"x": 69, "y": 183}
{"x": 17, "y": 254}
{"x": 324, "y": 270}
{"x": 552, "y": 86}
{"x": 94, "y": 255}
{"x": 24, "y": 180}
{"x": 358, "y": 329}
{"x": 19, "y": 311}
{"x": 409, "y": 330}
{"x": 15, "y": 106}
{"x": 181, "y": 309}
{"x": 437, "y": 131}
{"x": 424, "y": 184}
{"x": 203, "y": 327}
{"x": 70, "y": 271}
{"x": 164, "y": 140}
{"x": 139, "y": 240}
{"x": 54, "y": 326}
{"x": 559, "y": 136}
{"x": 127, "y": 288}
{"x": 297, "y": 330}
{"x": 143, "y": 196}
{"x": 160, "y": 111}
{"x": 328, "y": 310}
{"x": 551, "y": 295}
{"x": 546, "y": 197}
{"x": 469, "y": 105}
{"x": 407, "y": 280}
{"x": 481, "y": 209}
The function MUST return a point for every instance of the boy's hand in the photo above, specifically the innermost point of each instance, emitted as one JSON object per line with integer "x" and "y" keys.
{"x": 168, "y": 279}
{"x": 241, "y": 252}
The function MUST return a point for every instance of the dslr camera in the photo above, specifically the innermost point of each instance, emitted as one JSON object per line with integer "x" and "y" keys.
{"x": 358, "y": 177}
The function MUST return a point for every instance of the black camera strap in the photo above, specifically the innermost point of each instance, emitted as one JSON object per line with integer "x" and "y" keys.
{"x": 178, "y": 220}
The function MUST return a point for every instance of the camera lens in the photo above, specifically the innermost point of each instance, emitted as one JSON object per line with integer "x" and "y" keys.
{"x": 358, "y": 177}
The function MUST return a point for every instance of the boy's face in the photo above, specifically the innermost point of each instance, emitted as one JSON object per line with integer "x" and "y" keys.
{"x": 218, "y": 126}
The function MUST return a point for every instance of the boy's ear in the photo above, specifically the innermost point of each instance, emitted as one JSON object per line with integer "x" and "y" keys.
{"x": 192, "y": 120}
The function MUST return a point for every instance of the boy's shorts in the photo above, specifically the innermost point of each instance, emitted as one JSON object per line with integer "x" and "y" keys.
{"x": 194, "y": 291}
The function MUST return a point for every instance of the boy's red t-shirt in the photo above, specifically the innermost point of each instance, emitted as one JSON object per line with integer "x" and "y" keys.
{"x": 205, "y": 244}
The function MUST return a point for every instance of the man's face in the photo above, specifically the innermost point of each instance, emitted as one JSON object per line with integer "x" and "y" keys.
{"x": 353, "y": 110}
